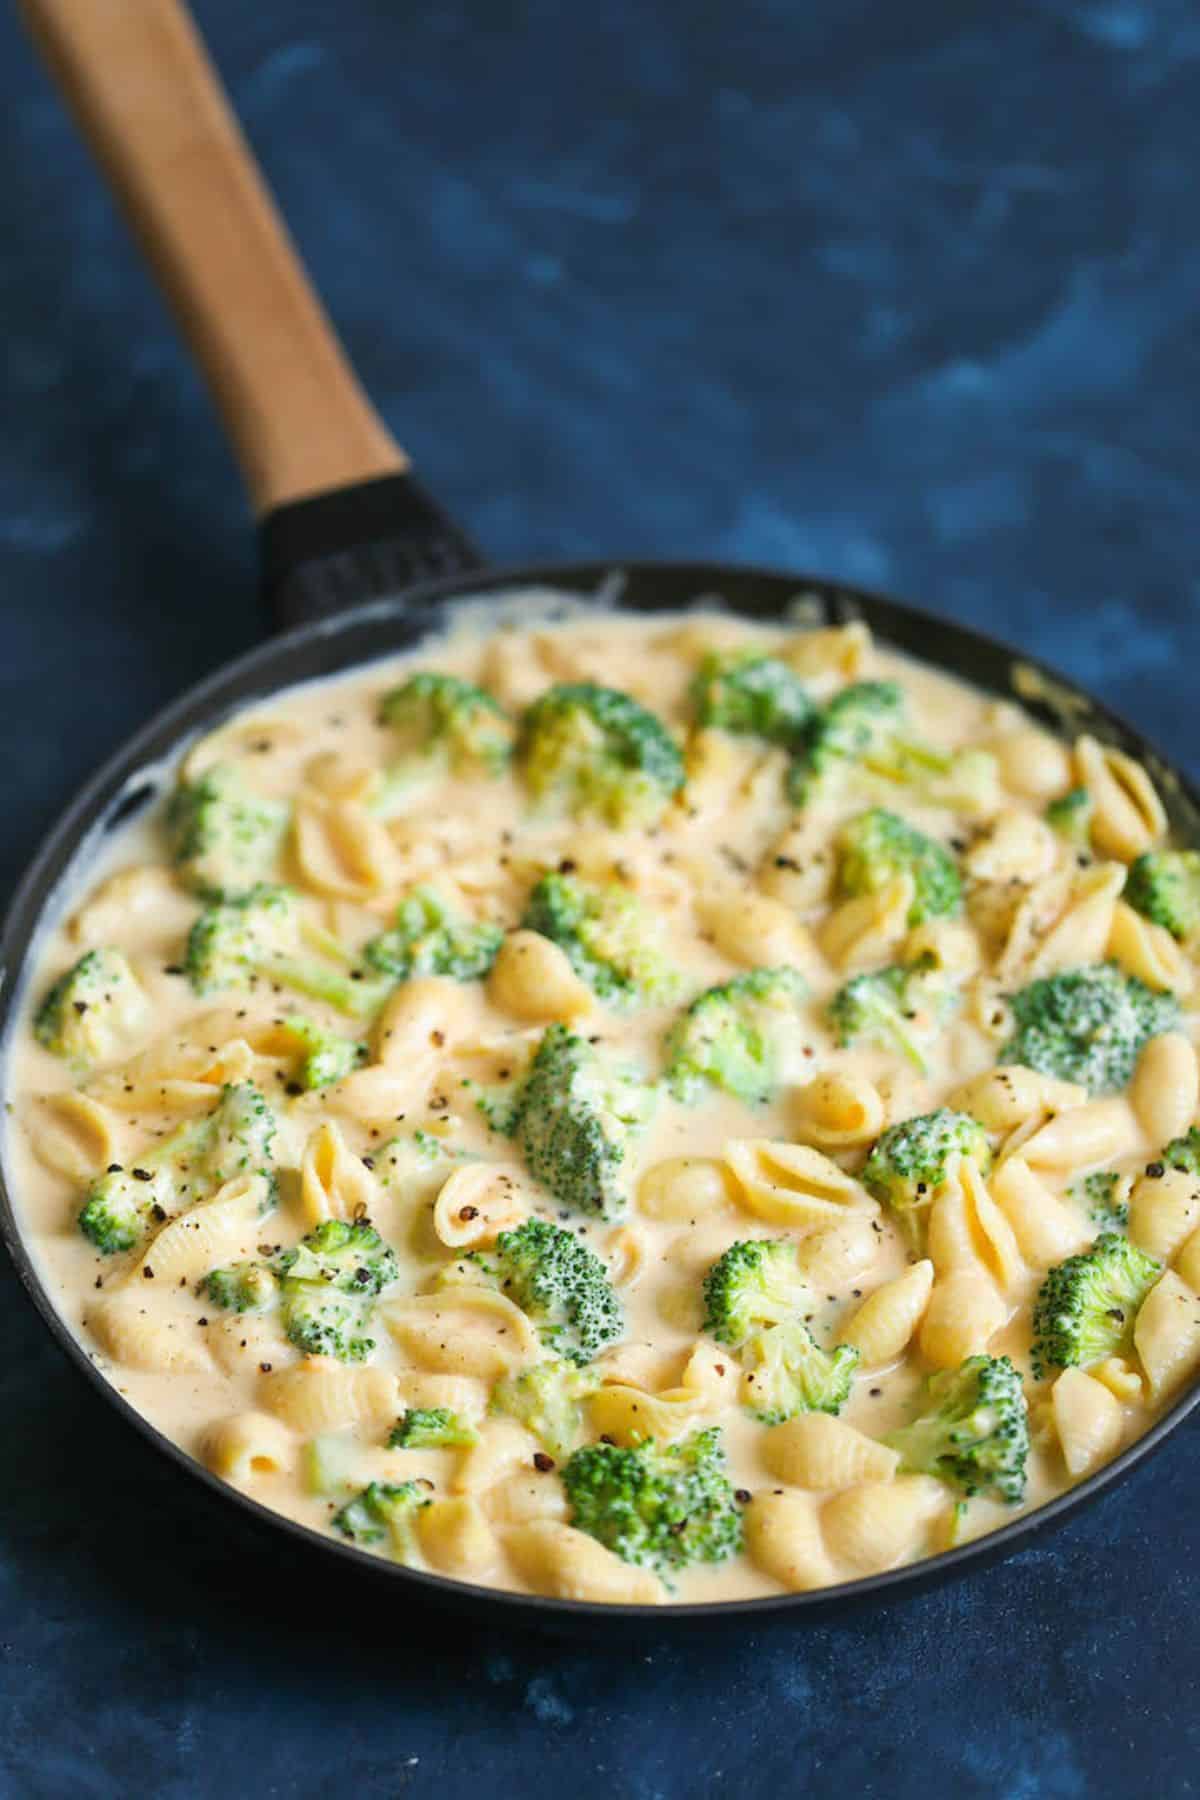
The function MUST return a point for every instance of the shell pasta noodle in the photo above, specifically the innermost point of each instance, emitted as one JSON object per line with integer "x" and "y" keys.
{"x": 635, "y": 1110}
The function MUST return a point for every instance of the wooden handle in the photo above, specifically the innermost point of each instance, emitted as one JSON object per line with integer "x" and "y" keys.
{"x": 144, "y": 91}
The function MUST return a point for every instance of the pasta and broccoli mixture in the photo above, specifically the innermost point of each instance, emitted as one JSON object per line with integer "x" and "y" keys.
{"x": 631, "y": 1110}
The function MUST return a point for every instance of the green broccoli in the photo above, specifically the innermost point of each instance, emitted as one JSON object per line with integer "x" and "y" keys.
{"x": 754, "y": 695}
{"x": 1183, "y": 1152}
{"x": 877, "y": 846}
{"x": 757, "y": 1282}
{"x": 322, "y": 1056}
{"x": 913, "y": 1157}
{"x": 663, "y": 1506}
{"x": 1164, "y": 885}
{"x": 861, "y": 738}
{"x": 900, "y": 1008}
{"x": 575, "y": 1119}
{"x": 1086, "y": 1307}
{"x": 787, "y": 1373}
{"x": 93, "y": 1010}
{"x": 562, "y": 1285}
{"x": 224, "y": 840}
{"x": 327, "y": 1284}
{"x": 428, "y": 938}
{"x": 1105, "y": 1195}
{"x": 592, "y": 750}
{"x": 348, "y": 1256}
{"x": 262, "y": 936}
{"x": 609, "y": 936}
{"x": 1087, "y": 1025}
{"x": 546, "y": 1399}
{"x": 243, "y": 1287}
{"x": 385, "y": 1512}
{"x": 1071, "y": 817}
{"x": 735, "y": 1036}
{"x": 236, "y": 1138}
{"x": 445, "y": 723}
{"x": 974, "y": 1431}
{"x": 432, "y": 1428}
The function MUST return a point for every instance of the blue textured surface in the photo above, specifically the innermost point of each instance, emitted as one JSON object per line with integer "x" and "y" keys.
{"x": 901, "y": 293}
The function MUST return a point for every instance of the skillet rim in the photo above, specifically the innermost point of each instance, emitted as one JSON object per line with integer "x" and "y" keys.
{"x": 157, "y": 741}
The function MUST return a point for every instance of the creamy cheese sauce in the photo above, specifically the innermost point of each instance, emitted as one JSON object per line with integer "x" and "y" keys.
{"x": 732, "y": 877}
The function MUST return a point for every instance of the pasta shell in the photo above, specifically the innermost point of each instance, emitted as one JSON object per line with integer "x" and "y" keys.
{"x": 792, "y": 1184}
{"x": 628, "y": 1415}
{"x": 334, "y": 1183}
{"x": 884, "y": 1324}
{"x": 221, "y": 1230}
{"x": 135, "y": 1331}
{"x": 319, "y": 1395}
{"x": 784, "y": 1540}
{"x": 1127, "y": 814}
{"x": 1163, "y": 1212}
{"x": 685, "y": 1188}
{"x": 555, "y": 1559}
{"x": 1087, "y": 1419}
{"x": 965, "y": 1312}
{"x": 247, "y": 1445}
{"x": 478, "y": 1202}
{"x": 456, "y": 1538}
{"x": 817, "y": 1451}
{"x": 1046, "y": 1230}
{"x": 1166, "y": 1335}
{"x": 838, "y": 1110}
{"x": 1165, "y": 1090}
{"x": 881, "y": 1523}
{"x": 462, "y": 1331}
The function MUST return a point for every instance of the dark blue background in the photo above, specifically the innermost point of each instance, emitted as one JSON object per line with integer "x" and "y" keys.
{"x": 904, "y": 294}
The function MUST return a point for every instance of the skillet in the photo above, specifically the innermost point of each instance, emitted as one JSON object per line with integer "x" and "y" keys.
{"x": 358, "y": 562}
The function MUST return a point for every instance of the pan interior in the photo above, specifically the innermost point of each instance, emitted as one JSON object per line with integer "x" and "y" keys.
{"x": 76, "y": 851}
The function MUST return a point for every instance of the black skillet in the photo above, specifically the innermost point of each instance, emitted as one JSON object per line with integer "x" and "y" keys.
{"x": 359, "y": 563}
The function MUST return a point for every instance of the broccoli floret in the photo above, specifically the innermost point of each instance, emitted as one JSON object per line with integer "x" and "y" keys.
{"x": 1087, "y": 1025}
{"x": 787, "y": 1373}
{"x": 224, "y": 840}
{"x": 1164, "y": 885}
{"x": 912, "y": 1159}
{"x": 757, "y": 1282}
{"x": 861, "y": 737}
{"x": 1086, "y": 1307}
{"x": 593, "y": 750}
{"x": 347, "y": 1255}
{"x": 236, "y": 1138}
{"x": 563, "y": 1286}
{"x": 899, "y": 1008}
{"x": 974, "y": 1431}
{"x": 575, "y": 1119}
{"x": 735, "y": 1036}
{"x": 428, "y": 938}
{"x": 243, "y": 1287}
{"x": 385, "y": 1512}
{"x": 610, "y": 937}
{"x": 753, "y": 695}
{"x": 546, "y": 1399}
{"x": 1183, "y": 1152}
{"x": 327, "y": 1284}
{"x": 663, "y": 1506}
{"x": 323, "y": 1056}
{"x": 262, "y": 936}
{"x": 91, "y": 1011}
{"x": 1105, "y": 1196}
{"x": 878, "y": 845}
{"x": 432, "y": 1428}
{"x": 444, "y": 722}
{"x": 242, "y": 1140}
{"x": 1071, "y": 817}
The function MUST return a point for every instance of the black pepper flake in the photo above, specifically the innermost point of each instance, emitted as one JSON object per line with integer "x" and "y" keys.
{"x": 742, "y": 1496}
{"x": 1156, "y": 1170}
{"x": 114, "y": 1168}
{"x": 368, "y": 1162}
{"x": 567, "y": 866}
{"x": 874, "y": 1392}
{"x": 542, "y": 1462}
{"x": 142, "y": 1174}
{"x": 605, "y": 1439}
{"x": 265, "y": 1367}
{"x": 147, "y": 1274}
{"x": 173, "y": 969}
{"x": 293, "y": 1088}
{"x": 203, "y": 1321}
{"x": 81, "y": 1007}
